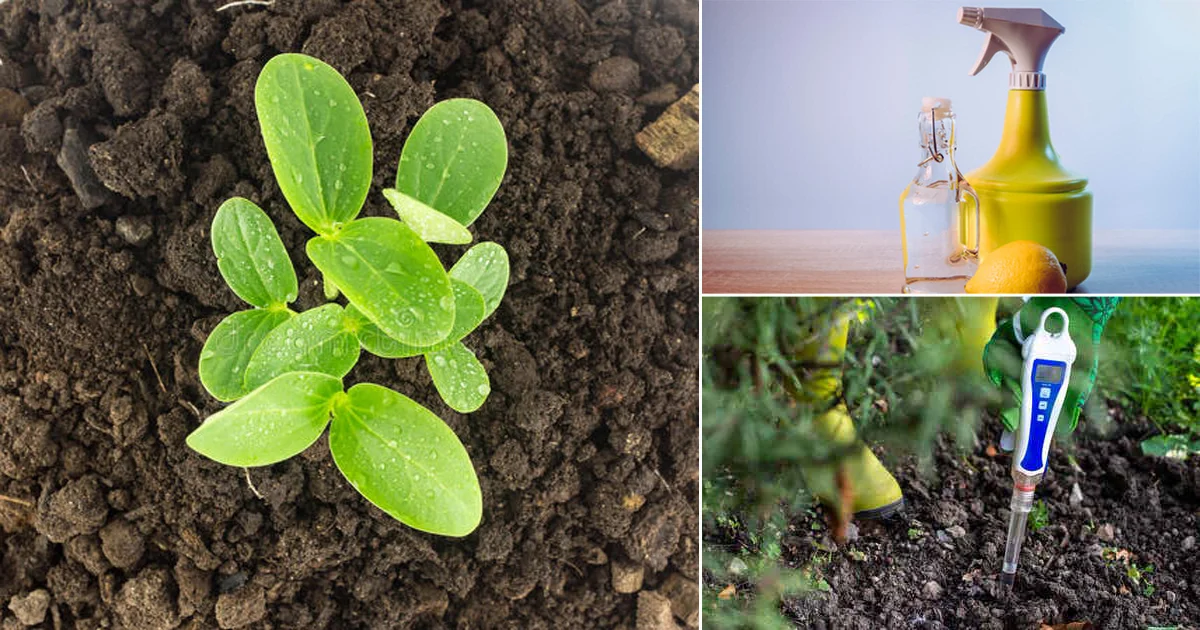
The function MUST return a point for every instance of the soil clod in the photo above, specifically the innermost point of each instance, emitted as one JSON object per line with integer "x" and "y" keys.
{"x": 240, "y": 608}
{"x": 31, "y": 608}
{"x": 13, "y": 108}
{"x": 145, "y": 602}
{"x": 76, "y": 508}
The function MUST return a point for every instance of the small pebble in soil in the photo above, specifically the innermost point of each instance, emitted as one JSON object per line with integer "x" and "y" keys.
{"x": 1189, "y": 543}
{"x": 851, "y": 532}
{"x": 931, "y": 590}
{"x": 134, "y": 230}
{"x": 1076, "y": 498}
{"x": 74, "y": 160}
{"x": 685, "y": 597}
{"x": 654, "y": 612}
{"x": 942, "y": 536}
{"x": 957, "y": 531}
{"x": 30, "y": 609}
{"x": 1106, "y": 532}
{"x": 737, "y": 566}
{"x": 627, "y": 576}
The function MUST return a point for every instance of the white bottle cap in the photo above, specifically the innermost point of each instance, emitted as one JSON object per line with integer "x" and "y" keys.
{"x": 1024, "y": 35}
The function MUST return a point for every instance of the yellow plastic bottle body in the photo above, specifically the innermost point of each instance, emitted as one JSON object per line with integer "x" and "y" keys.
{"x": 1025, "y": 194}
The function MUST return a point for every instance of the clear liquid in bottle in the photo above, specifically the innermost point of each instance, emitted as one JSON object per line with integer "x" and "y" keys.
{"x": 934, "y": 218}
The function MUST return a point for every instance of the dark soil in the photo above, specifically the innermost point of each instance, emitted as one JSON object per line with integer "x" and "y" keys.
{"x": 937, "y": 566}
{"x": 125, "y": 123}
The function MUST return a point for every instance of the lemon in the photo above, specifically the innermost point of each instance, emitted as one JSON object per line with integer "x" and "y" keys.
{"x": 1019, "y": 267}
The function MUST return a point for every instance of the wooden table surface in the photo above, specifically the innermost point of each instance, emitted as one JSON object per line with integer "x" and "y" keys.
{"x": 869, "y": 262}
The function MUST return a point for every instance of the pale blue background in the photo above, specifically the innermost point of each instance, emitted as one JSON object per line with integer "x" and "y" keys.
{"x": 809, "y": 107}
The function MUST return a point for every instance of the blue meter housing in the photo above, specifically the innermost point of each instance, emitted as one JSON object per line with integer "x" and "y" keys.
{"x": 1046, "y": 382}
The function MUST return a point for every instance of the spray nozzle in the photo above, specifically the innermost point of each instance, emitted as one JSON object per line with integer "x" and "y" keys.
{"x": 1025, "y": 35}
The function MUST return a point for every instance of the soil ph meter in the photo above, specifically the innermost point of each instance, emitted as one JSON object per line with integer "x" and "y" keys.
{"x": 1044, "y": 378}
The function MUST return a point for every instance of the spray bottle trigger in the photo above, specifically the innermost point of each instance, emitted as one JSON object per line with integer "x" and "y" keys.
{"x": 991, "y": 46}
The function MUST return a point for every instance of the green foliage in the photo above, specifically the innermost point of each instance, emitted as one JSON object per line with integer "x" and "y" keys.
{"x": 901, "y": 379}
{"x": 317, "y": 139}
{"x": 405, "y": 460}
{"x": 432, "y": 226}
{"x": 230, "y": 346}
{"x": 1140, "y": 576}
{"x": 285, "y": 370}
{"x": 459, "y": 377}
{"x": 1151, "y": 367}
{"x": 251, "y": 256}
{"x": 271, "y": 423}
{"x": 454, "y": 159}
{"x": 317, "y": 340}
{"x": 1039, "y": 516}
{"x": 390, "y": 275}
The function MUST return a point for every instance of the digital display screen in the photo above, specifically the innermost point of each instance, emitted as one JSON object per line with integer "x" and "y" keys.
{"x": 1048, "y": 373}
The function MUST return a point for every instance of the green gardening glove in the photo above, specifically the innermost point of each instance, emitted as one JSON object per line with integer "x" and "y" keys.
{"x": 1002, "y": 360}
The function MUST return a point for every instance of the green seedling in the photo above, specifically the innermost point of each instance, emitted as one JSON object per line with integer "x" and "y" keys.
{"x": 283, "y": 371}
{"x": 1039, "y": 516}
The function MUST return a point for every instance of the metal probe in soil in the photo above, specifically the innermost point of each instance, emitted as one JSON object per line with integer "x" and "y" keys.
{"x": 1045, "y": 374}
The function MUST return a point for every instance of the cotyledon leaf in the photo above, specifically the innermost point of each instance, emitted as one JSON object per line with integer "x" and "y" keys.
{"x": 432, "y": 226}
{"x": 317, "y": 340}
{"x": 485, "y": 267}
{"x": 405, "y": 460}
{"x": 271, "y": 423}
{"x": 391, "y": 276}
{"x": 230, "y": 345}
{"x": 468, "y": 313}
{"x": 317, "y": 139}
{"x": 454, "y": 159}
{"x": 251, "y": 256}
{"x": 459, "y": 377}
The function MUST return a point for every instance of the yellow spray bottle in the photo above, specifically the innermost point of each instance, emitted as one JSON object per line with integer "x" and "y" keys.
{"x": 1024, "y": 193}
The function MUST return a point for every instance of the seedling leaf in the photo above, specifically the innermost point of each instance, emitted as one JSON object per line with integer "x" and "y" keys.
{"x": 406, "y": 461}
{"x": 317, "y": 139}
{"x": 391, "y": 276}
{"x": 468, "y": 313}
{"x": 454, "y": 159}
{"x": 485, "y": 267}
{"x": 317, "y": 340}
{"x": 431, "y": 225}
{"x": 459, "y": 377}
{"x": 1170, "y": 446}
{"x": 228, "y": 349}
{"x": 271, "y": 424}
{"x": 251, "y": 256}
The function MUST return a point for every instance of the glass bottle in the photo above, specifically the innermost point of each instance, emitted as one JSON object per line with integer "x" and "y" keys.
{"x": 936, "y": 221}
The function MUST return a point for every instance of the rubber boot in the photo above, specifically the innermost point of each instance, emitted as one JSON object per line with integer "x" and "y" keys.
{"x": 976, "y": 323}
{"x": 859, "y": 476}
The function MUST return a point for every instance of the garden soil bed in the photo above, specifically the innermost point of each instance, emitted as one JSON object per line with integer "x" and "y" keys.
{"x": 586, "y": 449}
{"x": 937, "y": 566}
